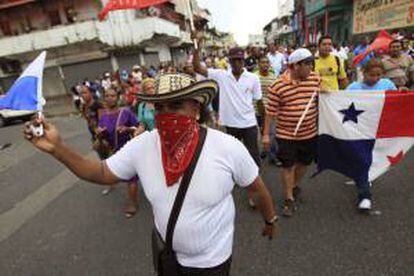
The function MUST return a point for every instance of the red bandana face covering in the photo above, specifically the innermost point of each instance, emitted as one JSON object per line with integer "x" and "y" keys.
{"x": 179, "y": 139}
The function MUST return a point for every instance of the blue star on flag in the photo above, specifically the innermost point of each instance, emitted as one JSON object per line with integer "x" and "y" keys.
{"x": 351, "y": 114}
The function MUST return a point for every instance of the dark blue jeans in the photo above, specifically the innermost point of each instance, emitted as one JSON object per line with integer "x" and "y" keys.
{"x": 364, "y": 190}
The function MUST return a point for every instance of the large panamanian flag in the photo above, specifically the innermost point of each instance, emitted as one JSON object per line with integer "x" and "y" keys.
{"x": 26, "y": 92}
{"x": 364, "y": 133}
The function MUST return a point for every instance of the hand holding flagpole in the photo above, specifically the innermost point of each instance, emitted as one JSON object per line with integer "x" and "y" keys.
{"x": 26, "y": 92}
{"x": 38, "y": 130}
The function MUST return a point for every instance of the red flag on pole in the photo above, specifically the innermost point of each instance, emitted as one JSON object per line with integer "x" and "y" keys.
{"x": 382, "y": 42}
{"x": 127, "y": 4}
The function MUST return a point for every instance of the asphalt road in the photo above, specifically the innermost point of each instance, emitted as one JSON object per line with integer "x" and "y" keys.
{"x": 53, "y": 224}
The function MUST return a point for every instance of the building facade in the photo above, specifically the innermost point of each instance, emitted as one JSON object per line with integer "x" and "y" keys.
{"x": 257, "y": 40}
{"x": 217, "y": 42}
{"x": 369, "y": 17}
{"x": 333, "y": 17}
{"x": 345, "y": 20}
{"x": 281, "y": 29}
{"x": 79, "y": 46}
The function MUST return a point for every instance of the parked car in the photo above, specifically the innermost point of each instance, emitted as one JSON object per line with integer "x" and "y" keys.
{"x": 7, "y": 115}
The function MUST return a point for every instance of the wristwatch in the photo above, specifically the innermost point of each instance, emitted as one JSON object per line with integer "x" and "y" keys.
{"x": 272, "y": 220}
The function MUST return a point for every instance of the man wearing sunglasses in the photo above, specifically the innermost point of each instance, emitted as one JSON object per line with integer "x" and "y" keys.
{"x": 288, "y": 98}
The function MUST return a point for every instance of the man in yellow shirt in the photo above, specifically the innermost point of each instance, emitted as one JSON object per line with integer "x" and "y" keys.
{"x": 222, "y": 62}
{"x": 330, "y": 67}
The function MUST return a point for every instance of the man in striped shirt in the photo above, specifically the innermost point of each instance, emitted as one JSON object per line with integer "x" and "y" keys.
{"x": 267, "y": 78}
{"x": 288, "y": 98}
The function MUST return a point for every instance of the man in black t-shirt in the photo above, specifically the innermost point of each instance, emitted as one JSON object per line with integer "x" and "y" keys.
{"x": 250, "y": 63}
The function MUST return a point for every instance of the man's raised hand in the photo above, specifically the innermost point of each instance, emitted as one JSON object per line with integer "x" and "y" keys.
{"x": 50, "y": 139}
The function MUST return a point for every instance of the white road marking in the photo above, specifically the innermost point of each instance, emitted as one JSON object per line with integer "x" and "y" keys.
{"x": 13, "y": 219}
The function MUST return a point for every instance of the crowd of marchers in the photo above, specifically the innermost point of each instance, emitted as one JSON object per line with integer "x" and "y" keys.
{"x": 189, "y": 133}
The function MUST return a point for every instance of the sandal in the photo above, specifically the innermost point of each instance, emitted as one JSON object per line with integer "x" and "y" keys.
{"x": 130, "y": 211}
{"x": 288, "y": 208}
{"x": 106, "y": 191}
{"x": 297, "y": 193}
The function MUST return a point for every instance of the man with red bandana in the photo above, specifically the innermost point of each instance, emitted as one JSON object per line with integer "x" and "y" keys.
{"x": 203, "y": 237}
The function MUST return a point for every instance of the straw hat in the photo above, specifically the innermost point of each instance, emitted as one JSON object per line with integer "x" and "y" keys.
{"x": 175, "y": 87}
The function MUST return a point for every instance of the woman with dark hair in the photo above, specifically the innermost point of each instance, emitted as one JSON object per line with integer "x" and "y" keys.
{"x": 146, "y": 110}
{"x": 115, "y": 128}
{"x": 76, "y": 98}
{"x": 373, "y": 72}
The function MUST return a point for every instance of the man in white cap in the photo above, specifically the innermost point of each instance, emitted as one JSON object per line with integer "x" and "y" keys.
{"x": 106, "y": 81}
{"x": 183, "y": 162}
{"x": 136, "y": 73}
{"x": 287, "y": 101}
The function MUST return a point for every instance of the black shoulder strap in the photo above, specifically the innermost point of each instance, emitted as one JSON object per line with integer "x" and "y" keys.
{"x": 338, "y": 65}
{"x": 182, "y": 190}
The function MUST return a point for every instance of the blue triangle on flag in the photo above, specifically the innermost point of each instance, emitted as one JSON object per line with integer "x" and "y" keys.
{"x": 22, "y": 95}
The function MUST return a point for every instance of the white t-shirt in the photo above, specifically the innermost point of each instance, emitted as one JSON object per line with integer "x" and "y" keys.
{"x": 106, "y": 83}
{"x": 203, "y": 236}
{"x": 277, "y": 60}
{"x": 236, "y": 97}
{"x": 137, "y": 76}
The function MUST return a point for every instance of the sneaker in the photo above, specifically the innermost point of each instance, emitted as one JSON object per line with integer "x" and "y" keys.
{"x": 252, "y": 204}
{"x": 289, "y": 208}
{"x": 350, "y": 182}
{"x": 130, "y": 210}
{"x": 296, "y": 193}
{"x": 365, "y": 204}
{"x": 106, "y": 191}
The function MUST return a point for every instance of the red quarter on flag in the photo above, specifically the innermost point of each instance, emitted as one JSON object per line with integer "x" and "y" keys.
{"x": 127, "y": 4}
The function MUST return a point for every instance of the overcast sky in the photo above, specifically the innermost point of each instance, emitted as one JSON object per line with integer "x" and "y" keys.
{"x": 241, "y": 17}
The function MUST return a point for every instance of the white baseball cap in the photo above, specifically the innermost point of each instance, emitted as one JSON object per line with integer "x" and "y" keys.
{"x": 299, "y": 55}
